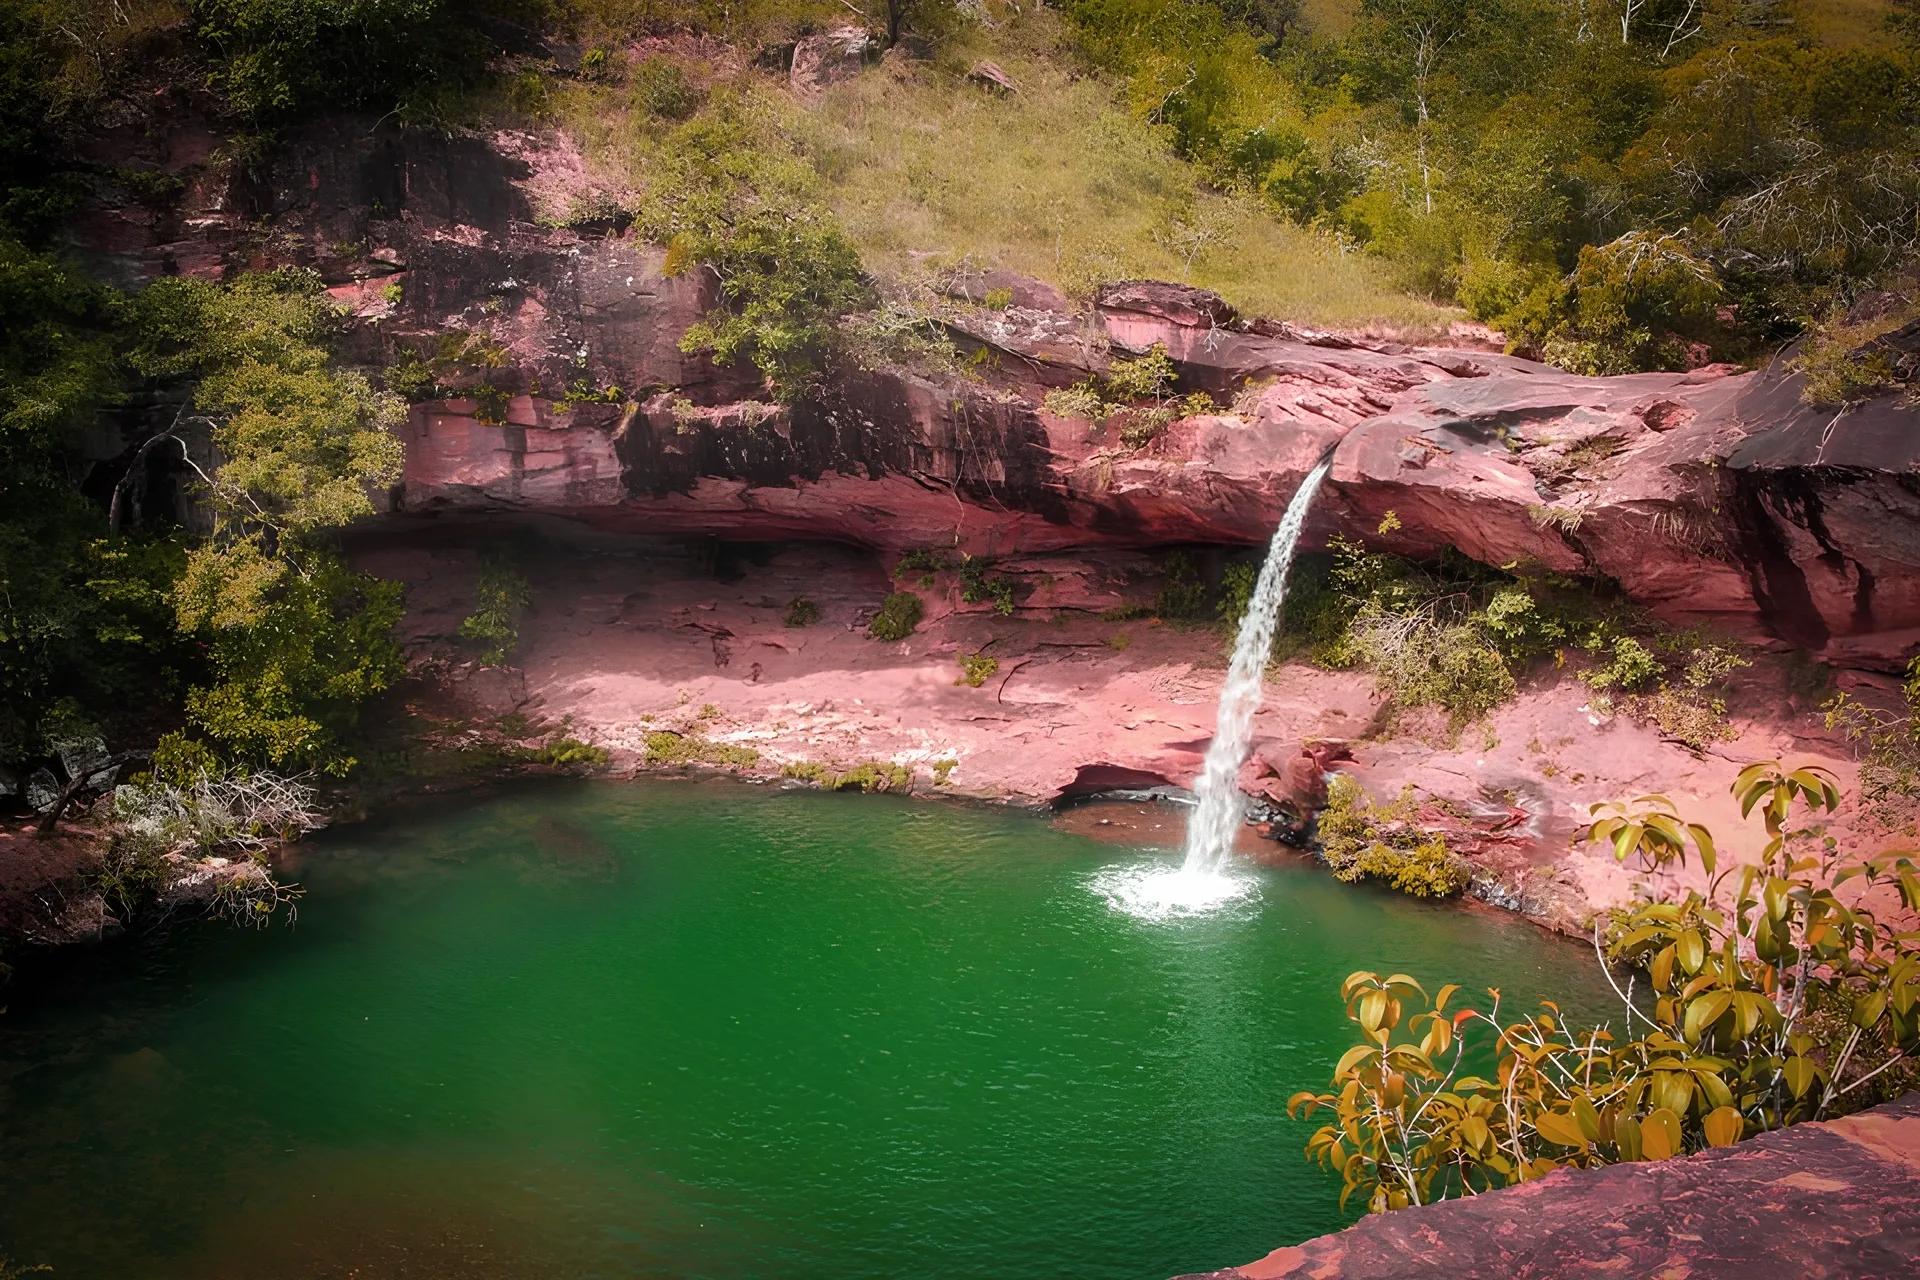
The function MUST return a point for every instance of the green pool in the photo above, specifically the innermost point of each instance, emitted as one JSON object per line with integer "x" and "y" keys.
{"x": 703, "y": 1030}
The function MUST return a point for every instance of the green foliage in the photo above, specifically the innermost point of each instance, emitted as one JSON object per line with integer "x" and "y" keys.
{"x": 84, "y": 616}
{"x": 1629, "y": 667}
{"x": 1458, "y": 636}
{"x": 1362, "y": 841}
{"x": 1699, "y": 181}
{"x": 665, "y": 747}
{"x": 1183, "y": 593}
{"x": 943, "y": 771}
{"x": 1848, "y": 358}
{"x": 897, "y": 618}
{"x": 1687, "y": 707}
{"x": 726, "y": 200}
{"x": 868, "y": 775}
{"x": 1740, "y": 1031}
{"x": 976, "y": 669}
{"x": 295, "y": 640}
{"x": 272, "y": 59}
{"x": 802, "y": 612}
{"x": 1147, "y": 377}
{"x": 977, "y": 587}
{"x": 1889, "y": 742}
{"x": 501, "y": 597}
{"x": 288, "y": 677}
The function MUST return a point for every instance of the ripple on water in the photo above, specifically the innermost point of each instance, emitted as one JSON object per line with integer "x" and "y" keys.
{"x": 1160, "y": 891}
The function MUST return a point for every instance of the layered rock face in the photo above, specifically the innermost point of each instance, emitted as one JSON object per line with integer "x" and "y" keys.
{"x": 1711, "y": 496}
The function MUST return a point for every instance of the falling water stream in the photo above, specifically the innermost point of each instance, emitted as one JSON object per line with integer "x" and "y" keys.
{"x": 1207, "y": 878}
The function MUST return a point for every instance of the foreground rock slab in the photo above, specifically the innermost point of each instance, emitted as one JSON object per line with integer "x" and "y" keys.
{"x": 1840, "y": 1199}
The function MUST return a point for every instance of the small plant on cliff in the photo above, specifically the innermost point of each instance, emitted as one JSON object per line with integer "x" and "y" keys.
{"x": 802, "y": 612}
{"x": 500, "y": 598}
{"x": 899, "y": 615}
{"x": 1889, "y": 742}
{"x": 976, "y": 587}
{"x": 1770, "y": 1001}
{"x": 869, "y": 775}
{"x": 665, "y": 747}
{"x": 976, "y": 669}
{"x": 726, "y": 200}
{"x": 1383, "y": 842}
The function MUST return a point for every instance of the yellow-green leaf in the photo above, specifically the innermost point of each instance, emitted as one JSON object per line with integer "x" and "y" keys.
{"x": 1660, "y": 1135}
{"x": 1563, "y": 1129}
{"x": 1723, "y": 1126}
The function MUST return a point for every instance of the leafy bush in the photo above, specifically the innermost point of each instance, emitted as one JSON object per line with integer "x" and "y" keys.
{"x": 899, "y": 615}
{"x": 1687, "y": 707}
{"x": 727, "y": 200}
{"x": 1772, "y": 1002}
{"x": 502, "y": 595}
{"x": 1889, "y": 741}
{"x": 665, "y": 747}
{"x": 276, "y": 58}
{"x": 869, "y": 775}
{"x": 1362, "y": 841}
{"x": 802, "y": 612}
{"x": 564, "y": 752}
{"x": 1846, "y": 359}
{"x": 976, "y": 587}
{"x": 976, "y": 669}
{"x": 295, "y": 640}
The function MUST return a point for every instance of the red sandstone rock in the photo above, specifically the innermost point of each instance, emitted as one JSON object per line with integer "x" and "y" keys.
{"x": 1708, "y": 496}
{"x": 1838, "y": 1199}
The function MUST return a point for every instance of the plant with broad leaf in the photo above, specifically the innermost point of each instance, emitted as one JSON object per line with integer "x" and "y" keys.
{"x": 1768, "y": 1000}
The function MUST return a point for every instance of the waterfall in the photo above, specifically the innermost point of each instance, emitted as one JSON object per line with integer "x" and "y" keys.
{"x": 1207, "y": 879}
{"x": 1219, "y": 812}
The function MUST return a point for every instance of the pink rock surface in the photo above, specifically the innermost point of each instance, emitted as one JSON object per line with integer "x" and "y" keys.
{"x": 630, "y": 636}
{"x": 1837, "y": 1199}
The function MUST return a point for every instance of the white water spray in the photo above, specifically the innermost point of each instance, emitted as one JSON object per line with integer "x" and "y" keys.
{"x": 1206, "y": 879}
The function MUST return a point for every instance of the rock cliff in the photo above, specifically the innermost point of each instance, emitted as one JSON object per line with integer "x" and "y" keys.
{"x": 1714, "y": 496}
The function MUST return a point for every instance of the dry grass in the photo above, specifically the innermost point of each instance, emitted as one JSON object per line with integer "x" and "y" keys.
{"x": 927, "y": 170}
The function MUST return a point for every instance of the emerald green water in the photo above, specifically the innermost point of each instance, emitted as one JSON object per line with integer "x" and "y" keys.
{"x": 695, "y": 1030}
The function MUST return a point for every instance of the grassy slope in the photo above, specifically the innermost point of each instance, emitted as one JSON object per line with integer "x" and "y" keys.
{"x": 928, "y": 170}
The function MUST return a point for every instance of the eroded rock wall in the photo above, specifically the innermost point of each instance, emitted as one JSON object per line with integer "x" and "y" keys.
{"x": 1714, "y": 496}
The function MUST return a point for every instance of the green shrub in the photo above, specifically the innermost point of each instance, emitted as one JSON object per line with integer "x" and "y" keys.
{"x": 501, "y": 597}
{"x": 976, "y": 669}
{"x": 1688, "y": 707}
{"x": 942, "y": 771}
{"x": 802, "y": 612}
{"x": 1362, "y": 841}
{"x": 1080, "y": 402}
{"x": 899, "y": 615}
{"x": 1141, "y": 427}
{"x": 1629, "y": 667}
{"x": 666, "y": 747}
{"x": 569, "y": 753}
{"x": 662, "y": 89}
{"x": 869, "y": 775}
{"x": 278, "y": 58}
{"x": 1183, "y": 593}
{"x": 1845, "y": 361}
{"x": 729, "y": 199}
{"x": 976, "y": 587}
{"x": 1147, "y": 377}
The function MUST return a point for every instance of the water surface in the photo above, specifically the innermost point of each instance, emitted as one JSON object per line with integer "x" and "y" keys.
{"x": 702, "y": 1030}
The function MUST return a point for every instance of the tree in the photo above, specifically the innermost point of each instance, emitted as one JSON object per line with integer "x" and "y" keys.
{"x": 1773, "y": 1001}
{"x": 296, "y": 640}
